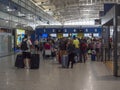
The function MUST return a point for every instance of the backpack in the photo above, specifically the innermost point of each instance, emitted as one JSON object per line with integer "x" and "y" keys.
{"x": 24, "y": 45}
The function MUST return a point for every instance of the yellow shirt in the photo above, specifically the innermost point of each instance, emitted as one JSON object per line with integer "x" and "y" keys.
{"x": 76, "y": 43}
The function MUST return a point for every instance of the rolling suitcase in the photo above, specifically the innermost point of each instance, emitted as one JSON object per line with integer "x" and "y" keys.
{"x": 19, "y": 63}
{"x": 35, "y": 60}
{"x": 64, "y": 61}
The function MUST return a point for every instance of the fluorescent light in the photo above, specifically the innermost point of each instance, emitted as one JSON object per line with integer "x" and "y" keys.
{"x": 84, "y": 22}
{"x": 21, "y": 14}
{"x": 9, "y": 9}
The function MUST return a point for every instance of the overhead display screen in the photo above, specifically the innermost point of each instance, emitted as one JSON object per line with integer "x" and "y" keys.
{"x": 53, "y": 35}
{"x": 96, "y": 35}
{"x": 65, "y": 35}
{"x": 88, "y": 35}
{"x": 44, "y": 35}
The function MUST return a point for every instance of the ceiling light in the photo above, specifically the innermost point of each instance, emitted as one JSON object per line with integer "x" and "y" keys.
{"x": 9, "y": 9}
{"x": 7, "y": 21}
{"x": 21, "y": 14}
{"x": 88, "y": 4}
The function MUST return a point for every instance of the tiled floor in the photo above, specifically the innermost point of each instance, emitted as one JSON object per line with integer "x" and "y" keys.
{"x": 88, "y": 76}
{"x": 6, "y": 54}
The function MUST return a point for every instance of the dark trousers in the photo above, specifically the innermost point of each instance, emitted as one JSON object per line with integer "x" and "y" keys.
{"x": 82, "y": 56}
{"x": 71, "y": 59}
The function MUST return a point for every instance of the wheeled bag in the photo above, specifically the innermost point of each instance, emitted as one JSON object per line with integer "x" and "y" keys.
{"x": 19, "y": 63}
{"x": 35, "y": 61}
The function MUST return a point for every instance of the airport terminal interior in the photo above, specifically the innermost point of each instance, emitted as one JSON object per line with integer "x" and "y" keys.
{"x": 59, "y": 45}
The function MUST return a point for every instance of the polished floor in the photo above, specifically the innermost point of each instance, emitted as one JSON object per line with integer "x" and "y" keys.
{"x": 50, "y": 76}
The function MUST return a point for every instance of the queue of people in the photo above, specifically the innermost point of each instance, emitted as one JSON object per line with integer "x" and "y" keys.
{"x": 71, "y": 50}
{"x": 77, "y": 49}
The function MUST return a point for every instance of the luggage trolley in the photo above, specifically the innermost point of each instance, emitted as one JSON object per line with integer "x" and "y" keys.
{"x": 47, "y": 51}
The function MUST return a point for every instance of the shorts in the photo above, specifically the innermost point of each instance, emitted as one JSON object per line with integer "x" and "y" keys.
{"x": 26, "y": 55}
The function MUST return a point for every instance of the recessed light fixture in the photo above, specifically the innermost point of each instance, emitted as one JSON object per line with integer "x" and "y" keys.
{"x": 21, "y": 14}
{"x": 10, "y": 9}
{"x": 7, "y": 21}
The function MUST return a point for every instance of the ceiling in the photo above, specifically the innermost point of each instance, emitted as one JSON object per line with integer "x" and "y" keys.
{"x": 73, "y": 10}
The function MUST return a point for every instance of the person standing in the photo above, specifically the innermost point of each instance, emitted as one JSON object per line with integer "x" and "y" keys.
{"x": 83, "y": 48}
{"x": 62, "y": 48}
{"x": 76, "y": 43}
{"x": 26, "y": 48}
{"x": 71, "y": 54}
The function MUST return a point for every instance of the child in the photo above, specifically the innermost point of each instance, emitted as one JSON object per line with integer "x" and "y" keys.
{"x": 93, "y": 55}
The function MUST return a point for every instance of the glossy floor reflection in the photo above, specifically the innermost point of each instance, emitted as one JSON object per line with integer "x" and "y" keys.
{"x": 88, "y": 76}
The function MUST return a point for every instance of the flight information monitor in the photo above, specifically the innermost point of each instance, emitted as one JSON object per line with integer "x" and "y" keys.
{"x": 88, "y": 35}
{"x": 74, "y": 34}
{"x": 53, "y": 35}
{"x": 44, "y": 35}
{"x": 65, "y": 35}
{"x": 96, "y": 35}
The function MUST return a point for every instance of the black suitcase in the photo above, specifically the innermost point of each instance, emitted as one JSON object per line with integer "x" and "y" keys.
{"x": 19, "y": 63}
{"x": 35, "y": 60}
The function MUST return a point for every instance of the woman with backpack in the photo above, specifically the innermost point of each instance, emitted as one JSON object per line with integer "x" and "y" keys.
{"x": 26, "y": 48}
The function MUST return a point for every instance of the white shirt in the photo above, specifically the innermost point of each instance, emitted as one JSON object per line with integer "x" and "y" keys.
{"x": 29, "y": 43}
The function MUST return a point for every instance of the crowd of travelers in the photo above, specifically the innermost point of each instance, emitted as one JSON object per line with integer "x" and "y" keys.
{"x": 75, "y": 48}
{"x": 78, "y": 49}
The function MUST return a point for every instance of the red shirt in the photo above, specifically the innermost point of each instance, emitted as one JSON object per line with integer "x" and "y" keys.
{"x": 47, "y": 46}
